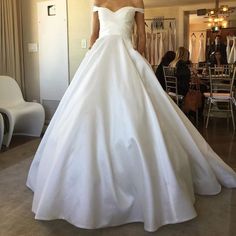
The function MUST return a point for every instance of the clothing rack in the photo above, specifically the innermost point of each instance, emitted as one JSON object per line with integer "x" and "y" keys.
{"x": 151, "y": 19}
{"x": 156, "y": 46}
{"x": 160, "y": 19}
{"x": 197, "y": 31}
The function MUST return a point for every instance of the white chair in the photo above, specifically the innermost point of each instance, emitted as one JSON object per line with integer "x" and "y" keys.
{"x": 25, "y": 118}
{"x": 221, "y": 91}
{"x": 1, "y": 130}
{"x": 172, "y": 84}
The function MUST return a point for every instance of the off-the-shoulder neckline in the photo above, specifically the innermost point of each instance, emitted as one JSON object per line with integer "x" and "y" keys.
{"x": 119, "y": 8}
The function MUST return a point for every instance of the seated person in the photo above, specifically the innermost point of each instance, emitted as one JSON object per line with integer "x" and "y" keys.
{"x": 183, "y": 72}
{"x": 217, "y": 60}
{"x": 218, "y": 46}
{"x": 165, "y": 61}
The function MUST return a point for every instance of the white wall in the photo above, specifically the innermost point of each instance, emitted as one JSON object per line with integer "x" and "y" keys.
{"x": 79, "y": 27}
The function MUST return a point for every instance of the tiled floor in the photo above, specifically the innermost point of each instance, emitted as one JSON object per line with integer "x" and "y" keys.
{"x": 222, "y": 138}
{"x": 216, "y": 214}
{"x": 21, "y": 148}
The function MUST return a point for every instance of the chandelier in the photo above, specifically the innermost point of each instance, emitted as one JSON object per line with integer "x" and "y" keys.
{"x": 218, "y": 17}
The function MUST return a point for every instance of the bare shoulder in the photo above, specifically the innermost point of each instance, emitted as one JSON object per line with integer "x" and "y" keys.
{"x": 98, "y": 2}
{"x": 138, "y": 3}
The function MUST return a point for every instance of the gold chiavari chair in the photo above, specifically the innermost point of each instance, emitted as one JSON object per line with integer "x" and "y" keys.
{"x": 221, "y": 91}
{"x": 171, "y": 82}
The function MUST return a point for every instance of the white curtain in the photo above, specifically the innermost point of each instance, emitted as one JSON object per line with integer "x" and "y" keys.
{"x": 11, "y": 47}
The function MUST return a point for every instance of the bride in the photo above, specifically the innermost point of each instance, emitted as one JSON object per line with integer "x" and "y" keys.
{"x": 118, "y": 149}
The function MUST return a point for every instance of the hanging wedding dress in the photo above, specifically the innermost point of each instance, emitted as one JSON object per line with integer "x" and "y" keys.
{"x": 148, "y": 47}
{"x": 170, "y": 38}
{"x": 201, "y": 53}
{"x": 232, "y": 55}
{"x": 156, "y": 48}
{"x": 234, "y": 47}
{"x": 192, "y": 47}
{"x": 228, "y": 48}
{"x": 161, "y": 47}
{"x": 118, "y": 149}
{"x": 153, "y": 38}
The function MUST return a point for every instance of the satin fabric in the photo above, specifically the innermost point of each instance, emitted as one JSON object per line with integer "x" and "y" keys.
{"x": 228, "y": 49}
{"x": 192, "y": 47}
{"x": 201, "y": 52}
{"x": 118, "y": 149}
{"x": 232, "y": 55}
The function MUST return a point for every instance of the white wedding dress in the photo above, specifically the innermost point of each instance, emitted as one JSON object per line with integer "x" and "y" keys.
{"x": 118, "y": 149}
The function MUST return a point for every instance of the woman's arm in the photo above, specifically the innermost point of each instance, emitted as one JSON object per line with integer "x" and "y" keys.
{"x": 95, "y": 25}
{"x": 140, "y": 32}
{"x": 95, "y": 29}
{"x": 139, "y": 18}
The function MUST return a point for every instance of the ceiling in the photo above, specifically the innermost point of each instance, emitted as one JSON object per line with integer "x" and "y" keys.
{"x": 194, "y": 19}
{"x": 162, "y": 3}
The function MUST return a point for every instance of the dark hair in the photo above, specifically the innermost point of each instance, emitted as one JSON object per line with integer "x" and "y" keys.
{"x": 168, "y": 58}
{"x": 217, "y": 51}
{"x": 213, "y": 58}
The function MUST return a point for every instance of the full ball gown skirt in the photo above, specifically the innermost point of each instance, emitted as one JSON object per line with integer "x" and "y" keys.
{"x": 118, "y": 149}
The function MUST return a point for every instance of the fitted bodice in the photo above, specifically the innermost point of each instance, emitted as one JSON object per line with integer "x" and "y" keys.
{"x": 118, "y": 22}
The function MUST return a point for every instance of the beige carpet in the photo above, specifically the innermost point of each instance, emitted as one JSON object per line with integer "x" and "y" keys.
{"x": 216, "y": 215}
